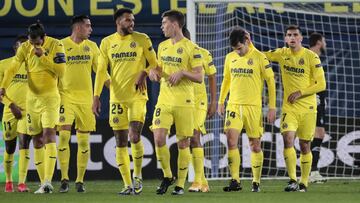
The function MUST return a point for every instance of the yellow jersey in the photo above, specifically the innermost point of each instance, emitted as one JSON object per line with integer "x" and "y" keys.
{"x": 209, "y": 68}
{"x": 302, "y": 71}
{"x": 183, "y": 55}
{"x": 81, "y": 59}
{"x": 126, "y": 56}
{"x": 44, "y": 71}
{"x": 244, "y": 78}
{"x": 16, "y": 91}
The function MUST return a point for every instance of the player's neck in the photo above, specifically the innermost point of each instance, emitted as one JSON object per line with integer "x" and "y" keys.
{"x": 296, "y": 49}
{"x": 316, "y": 50}
{"x": 76, "y": 38}
{"x": 176, "y": 37}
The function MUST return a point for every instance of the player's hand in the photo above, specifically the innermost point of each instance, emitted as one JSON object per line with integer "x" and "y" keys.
{"x": 211, "y": 110}
{"x": 294, "y": 96}
{"x": 221, "y": 110}
{"x": 96, "y": 107}
{"x": 140, "y": 83}
{"x": 271, "y": 115}
{"x": 38, "y": 51}
{"x": 154, "y": 75}
{"x": 175, "y": 78}
{"x": 16, "y": 111}
{"x": 107, "y": 84}
{"x": 2, "y": 93}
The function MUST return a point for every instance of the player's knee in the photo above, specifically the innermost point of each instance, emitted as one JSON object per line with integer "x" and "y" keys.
{"x": 255, "y": 145}
{"x": 83, "y": 143}
{"x": 38, "y": 141}
{"x": 184, "y": 143}
{"x": 121, "y": 140}
{"x": 24, "y": 141}
{"x": 305, "y": 146}
{"x": 195, "y": 142}
{"x": 10, "y": 146}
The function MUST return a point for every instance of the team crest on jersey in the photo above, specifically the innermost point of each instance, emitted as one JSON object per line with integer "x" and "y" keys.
{"x": 157, "y": 121}
{"x": 284, "y": 126}
{"x": 133, "y": 44}
{"x": 179, "y": 50}
{"x": 62, "y": 119}
{"x": 116, "y": 120}
{"x": 301, "y": 62}
{"x": 250, "y": 62}
{"x": 86, "y": 48}
{"x": 228, "y": 123}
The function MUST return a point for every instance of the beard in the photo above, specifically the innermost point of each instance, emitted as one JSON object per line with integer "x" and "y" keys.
{"x": 323, "y": 50}
{"x": 126, "y": 31}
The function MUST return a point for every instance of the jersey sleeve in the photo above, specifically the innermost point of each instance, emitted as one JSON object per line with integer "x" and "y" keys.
{"x": 225, "y": 85}
{"x": 318, "y": 76}
{"x": 101, "y": 73}
{"x": 14, "y": 66}
{"x": 149, "y": 54}
{"x": 268, "y": 75}
{"x": 56, "y": 61}
{"x": 5, "y": 99}
{"x": 195, "y": 58}
{"x": 209, "y": 66}
{"x": 95, "y": 62}
{"x": 274, "y": 55}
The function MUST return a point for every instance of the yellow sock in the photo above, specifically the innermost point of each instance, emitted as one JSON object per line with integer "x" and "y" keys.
{"x": 305, "y": 166}
{"x": 257, "y": 160}
{"x": 183, "y": 166}
{"x": 163, "y": 156}
{"x": 39, "y": 160}
{"x": 123, "y": 162}
{"x": 290, "y": 160}
{"x": 137, "y": 150}
{"x": 8, "y": 164}
{"x": 234, "y": 163}
{"x": 198, "y": 163}
{"x": 83, "y": 155}
{"x": 50, "y": 160}
{"x": 24, "y": 159}
{"x": 64, "y": 153}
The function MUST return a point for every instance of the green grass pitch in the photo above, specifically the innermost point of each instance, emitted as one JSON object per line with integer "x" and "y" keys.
{"x": 346, "y": 191}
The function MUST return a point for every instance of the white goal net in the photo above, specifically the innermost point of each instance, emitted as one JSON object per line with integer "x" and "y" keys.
{"x": 210, "y": 24}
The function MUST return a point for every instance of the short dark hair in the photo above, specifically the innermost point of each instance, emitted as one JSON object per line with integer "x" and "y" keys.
{"x": 36, "y": 30}
{"x": 314, "y": 38}
{"x": 186, "y": 33}
{"x": 293, "y": 27}
{"x": 175, "y": 15}
{"x": 21, "y": 38}
{"x": 120, "y": 12}
{"x": 237, "y": 35}
{"x": 78, "y": 19}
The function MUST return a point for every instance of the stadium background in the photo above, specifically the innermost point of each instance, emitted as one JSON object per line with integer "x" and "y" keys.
{"x": 56, "y": 14}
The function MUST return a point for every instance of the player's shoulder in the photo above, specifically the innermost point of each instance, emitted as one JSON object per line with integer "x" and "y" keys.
{"x": 109, "y": 37}
{"x": 231, "y": 54}
{"x": 258, "y": 53}
{"x": 6, "y": 60}
{"x": 164, "y": 43}
{"x": 90, "y": 43}
{"x": 204, "y": 51}
{"x": 310, "y": 53}
{"x": 54, "y": 42}
{"x": 140, "y": 35}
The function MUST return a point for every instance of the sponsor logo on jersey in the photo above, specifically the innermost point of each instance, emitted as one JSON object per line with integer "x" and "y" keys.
{"x": 293, "y": 69}
{"x": 242, "y": 70}
{"x": 171, "y": 59}
{"x": 79, "y": 58}
{"x": 113, "y": 46}
{"x": 123, "y": 55}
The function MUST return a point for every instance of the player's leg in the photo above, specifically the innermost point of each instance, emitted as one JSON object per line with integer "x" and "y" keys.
{"x": 137, "y": 112}
{"x": 288, "y": 129}
{"x": 24, "y": 158}
{"x": 162, "y": 120}
{"x": 315, "y": 176}
{"x": 66, "y": 118}
{"x": 84, "y": 123}
{"x": 9, "y": 136}
{"x": 233, "y": 127}
{"x": 306, "y": 134}
{"x": 253, "y": 126}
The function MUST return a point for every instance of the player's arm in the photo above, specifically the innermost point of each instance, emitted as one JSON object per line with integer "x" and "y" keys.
{"x": 274, "y": 55}
{"x": 210, "y": 71}
{"x": 95, "y": 65}
{"x": 225, "y": 87}
{"x": 268, "y": 75}
{"x": 101, "y": 76}
{"x": 155, "y": 72}
{"x": 55, "y": 62}
{"x": 319, "y": 84}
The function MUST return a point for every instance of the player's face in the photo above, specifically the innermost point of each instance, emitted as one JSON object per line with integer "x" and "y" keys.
{"x": 293, "y": 38}
{"x": 16, "y": 45}
{"x": 323, "y": 45}
{"x": 242, "y": 48}
{"x": 167, "y": 27}
{"x": 127, "y": 23}
{"x": 85, "y": 29}
{"x": 36, "y": 42}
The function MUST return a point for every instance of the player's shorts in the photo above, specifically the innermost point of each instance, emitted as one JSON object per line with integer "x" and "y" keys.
{"x": 244, "y": 116}
{"x": 80, "y": 113}
{"x": 121, "y": 114}
{"x": 199, "y": 118}
{"x": 12, "y": 126}
{"x": 42, "y": 112}
{"x": 302, "y": 123}
{"x": 182, "y": 117}
{"x": 320, "y": 117}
